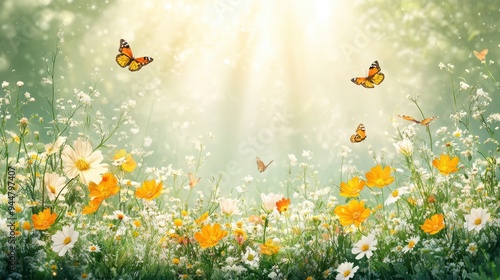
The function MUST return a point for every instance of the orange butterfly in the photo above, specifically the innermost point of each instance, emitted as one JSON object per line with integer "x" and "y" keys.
{"x": 360, "y": 134}
{"x": 374, "y": 77}
{"x": 126, "y": 58}
{"x": 192, "y": 180}
{"x": 481, "y": 55}
{"x": 261, "y": 166}
{"x": 424, "y": 122}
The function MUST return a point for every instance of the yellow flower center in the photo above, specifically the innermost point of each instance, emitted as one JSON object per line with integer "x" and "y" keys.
{"x": 52, "y": 189}
{"x": 395, "y": 193}
{"x": 347, "y": 272}
{"x": 356, "y": 215}
{"x": 67, "y": 240}
{"x": 93, "y": 248}
{"x": 250, "y": 257}
{"x": 477, "y": 221}
{"x": 120, "y": 216}
{"x": 365, "y": 247}
{"x": 411, "y": 244}
{"x": 82, "y": 165}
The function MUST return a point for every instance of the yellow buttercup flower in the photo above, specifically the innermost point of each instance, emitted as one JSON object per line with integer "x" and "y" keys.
{"x": 446, "y": 165}
{"x": 433, "y": 225}
{"x": 352, "y": 188}
{"x": 378, "y": 177}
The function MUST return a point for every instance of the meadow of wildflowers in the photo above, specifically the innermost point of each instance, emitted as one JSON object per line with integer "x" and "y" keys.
{"x": 80, "y": 206}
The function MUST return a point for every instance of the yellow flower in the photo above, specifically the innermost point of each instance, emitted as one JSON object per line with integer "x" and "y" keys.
{"x": 445, "y": 165}
{"x": 283, "y": 204}
{"x": 352, "y": 213}
{"x": 106, "y": 188}
{"x": 378, "y": 177}
{"x": 149, "y": 190}
{"x": 26, "y": 225}
{"x": 352, "y": 188}
{"x": 178, "y": 222}
{"x": 433, "y": 225}
{"x": 44, "y": 219}
{"x": 210, "y": 235}
{"x": 127, "y": 162}
{"x": 269, "y": 248}
{"x": 202, "y": 218}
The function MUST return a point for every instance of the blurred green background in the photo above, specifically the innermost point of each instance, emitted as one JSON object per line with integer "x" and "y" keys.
{"x": 265, "y": 78}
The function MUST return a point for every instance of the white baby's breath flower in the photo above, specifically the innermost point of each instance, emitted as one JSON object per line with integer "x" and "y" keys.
{"x": 293, "y": 159}
{"x": 464, "y": 85}
{"x": 147, "y": 142}
{"x": 247, "y": 179}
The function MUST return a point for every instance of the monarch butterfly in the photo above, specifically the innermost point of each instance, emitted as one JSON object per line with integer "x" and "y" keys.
{"x": 375, "y": 77}
{"x": 424, "y": 122}
{"x": 360, "y": 134}
{"x": 126, "y": 58}
{"x": 261, "y": 166}
{"x": 192, "y": 180}
{"x": 481, "y": 55}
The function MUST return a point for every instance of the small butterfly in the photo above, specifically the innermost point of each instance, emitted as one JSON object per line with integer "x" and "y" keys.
{"x": 261, "y": 166}
{"x": 424, "y": 122}
{"x": 375, "y": 77}
{"x": 360, "y": 134}
{"x": 126, "y": 58}
{"x": 481, "y": 55}
{"x": 192, "y": 180}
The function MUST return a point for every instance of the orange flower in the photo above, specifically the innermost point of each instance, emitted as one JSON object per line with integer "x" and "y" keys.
{"x": 352, "y": 188}
{"x": 445, "y": 165}
{"x": 283, "y": 204}
{"x": 378, "y": 177}
{"x": 44, "y": 219}
{"x": 352, "y": 213}
{"x": 93, "y": 206}
{"x": 269, "y": 248}
{"x": 149, "y": 190}
{"x": 128, "y": 163}
{"x": 433, "y": 225}
{"x": 106, "y": 188}
{"x": 210, "y": 235}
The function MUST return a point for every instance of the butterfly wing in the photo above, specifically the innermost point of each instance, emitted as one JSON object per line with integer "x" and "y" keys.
{"x": 360, "y": 134}
{"x": 261, "y": 166}
{"x": 125, "y": 56}
{"x": 362, "y": 81}
{"x": 408, "y": 118}
{"x": 481, "y": 55}
{"x": 427, "y": 121}
{"x": 137, "y": 63}
{"x": 375, "y": 77}
{"x": 192, "y": 180}
{"x": 374, "y": 74}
